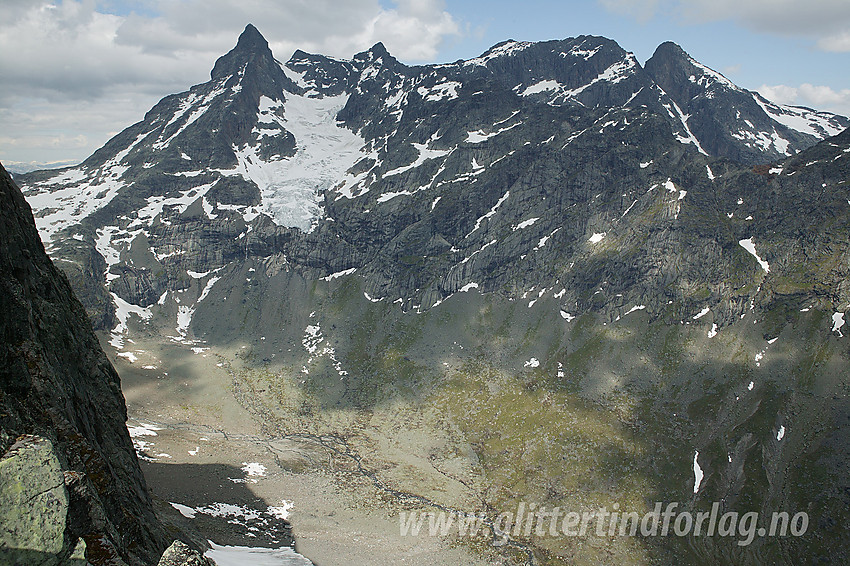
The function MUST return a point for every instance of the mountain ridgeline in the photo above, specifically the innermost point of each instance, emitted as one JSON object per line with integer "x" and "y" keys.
{"x": 651, "y": 246}
{"x": 370, "y": 165}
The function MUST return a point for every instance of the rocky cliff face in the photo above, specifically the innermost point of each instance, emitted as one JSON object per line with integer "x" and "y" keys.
{"x": 87, "y": 491}
{"x": 547, "y": 233}
{"x": 501, "y": 172}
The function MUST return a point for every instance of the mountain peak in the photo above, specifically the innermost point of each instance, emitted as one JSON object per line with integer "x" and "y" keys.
{"x": 669, "y": 48}
{"x": 377, "y": 51}
{"x": 680, "y": 75}
{"x": 251, "y": 44}
{"x": 251, "y": 40}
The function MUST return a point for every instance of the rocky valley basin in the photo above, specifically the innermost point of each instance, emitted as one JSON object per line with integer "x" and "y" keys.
{"x": 474, "y": 313}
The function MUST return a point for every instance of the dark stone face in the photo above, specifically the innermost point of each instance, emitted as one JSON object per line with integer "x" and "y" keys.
{"x": 56, "y": 382}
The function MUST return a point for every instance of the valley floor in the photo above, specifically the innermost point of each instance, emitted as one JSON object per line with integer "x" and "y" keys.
{"x": 206, "y": 456}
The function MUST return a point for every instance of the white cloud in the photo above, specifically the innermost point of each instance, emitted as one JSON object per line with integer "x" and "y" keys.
{"x": 839, "y": 42}
{"x": 780, "y": 94}
{"x": 46, "y": 141}
{"x": 72, "y": 64}
{"x": 826, "y": 22}
{"x": 422, "y": 19}
{"x": 792, "y": 17}
{"x": 813, "y": 96}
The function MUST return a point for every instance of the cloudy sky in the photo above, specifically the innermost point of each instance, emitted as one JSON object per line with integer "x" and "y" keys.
{"x": 75, "y": 72}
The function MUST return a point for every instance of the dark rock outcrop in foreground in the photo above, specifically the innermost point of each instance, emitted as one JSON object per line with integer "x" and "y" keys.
{"x": 70, "y": 482}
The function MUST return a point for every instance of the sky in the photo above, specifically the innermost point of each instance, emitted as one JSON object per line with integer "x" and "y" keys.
{"x": 76, "y": 72}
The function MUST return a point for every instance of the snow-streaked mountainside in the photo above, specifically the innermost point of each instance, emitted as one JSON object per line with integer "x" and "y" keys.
{"x": 372, "y": 150}
{"x": 548, "y": 233}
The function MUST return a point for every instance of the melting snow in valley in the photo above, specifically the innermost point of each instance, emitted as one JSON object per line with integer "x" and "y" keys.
{"x": 313, "y": 337}
{"x": 123, "y": 310}
{"x": 248, "y": 556}
{"x": 144, "y": 429}
{"x": 141, "y": 446}
{"x": 254, "y": 469}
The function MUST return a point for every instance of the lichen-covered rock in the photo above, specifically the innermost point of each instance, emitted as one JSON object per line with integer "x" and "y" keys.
{"x": 33, "y": 504}
{"x": 180, "y": 554}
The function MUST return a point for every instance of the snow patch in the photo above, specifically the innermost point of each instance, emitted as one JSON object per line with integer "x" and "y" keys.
{"x": 339, "y": 274}
{"x": 541, "y": 86}
{"x": 255, "y": 556}
{"x": 68, "y": 197}
{"x": 143, "y": 429}
{"x": 254, "y": 469}
{"x": 123, "y": 310}
{"x": 525, "y": 224}
{"x": 281, "y": 511}
{"x": 701, "y": 313}
{"x": 479, "y": 136}
{"x": 635, "y": 308}
{"x": 185, "y": 510}
{"x": 617, "y": 72}
{"x": 312, "y": 338}
{"x": 507, "y": 49}
{"x": 698, "y": 474}
{"x": 446, "y": 90}
{"x": 585, "y": 54}
{"x": 207, "y": 288}
{"x": 751, "y": 248}
{"x": 676, "y": 113}
{"x": 424, "y": 155}
{"x": 490, "y": 213}
{"x": 803, "y": 120}
{"x": 838, "y": 322}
